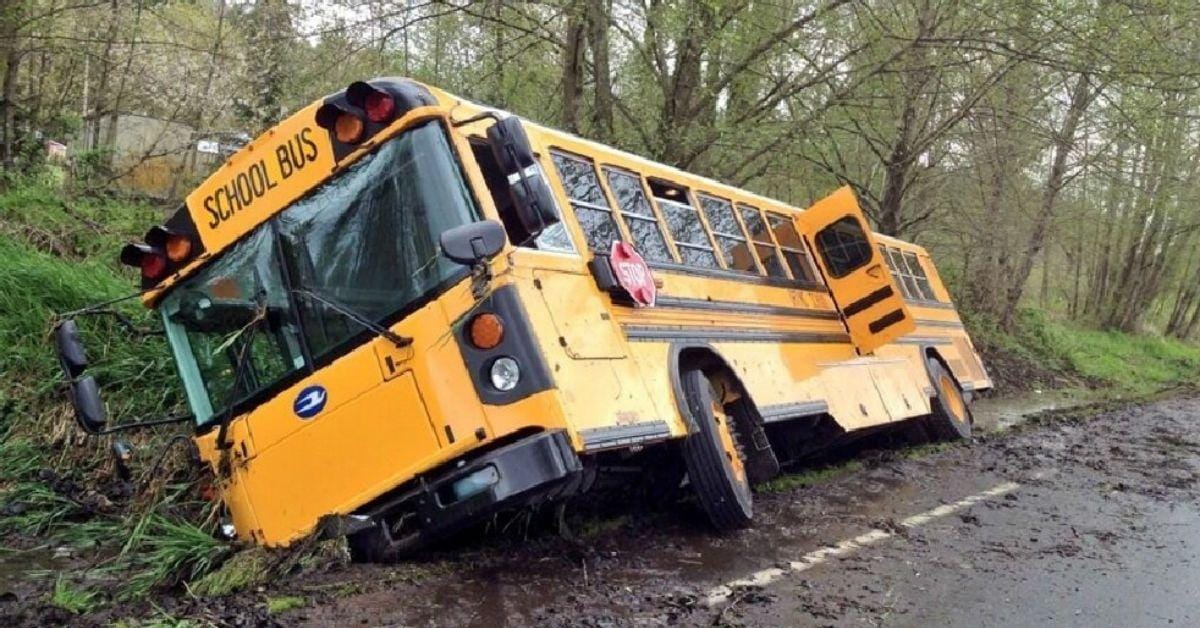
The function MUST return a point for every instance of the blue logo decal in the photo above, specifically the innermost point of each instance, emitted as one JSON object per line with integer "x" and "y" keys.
{"x": 310, "y": 401}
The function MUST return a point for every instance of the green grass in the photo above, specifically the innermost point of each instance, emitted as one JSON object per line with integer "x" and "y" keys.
{"x": 248, "y": 567}
{"x": 1131, "y": 364}
{"x": 283, "y": 604}
{"x": 135, "y": 372}
{"x": 57, "y": 254}
{"x": 809, "y": 477}
{"x": 595, "y": 527}
{"x": 920, "y": 451}
{"x": 1139, "y": 364}
{"x": 161, "y": 619}
{"x": 71, "y": 598}
{"x": 163, "y": 551}
{"x": 35, "y": 210}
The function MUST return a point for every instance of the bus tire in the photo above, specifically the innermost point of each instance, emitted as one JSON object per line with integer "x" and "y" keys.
{"x": 376, "y": 545}
{"x": 716, "y": 469}
{"x": 950, "y": 419}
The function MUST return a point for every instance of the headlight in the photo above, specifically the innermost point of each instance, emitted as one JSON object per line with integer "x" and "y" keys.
{"x": 505, "y": 373}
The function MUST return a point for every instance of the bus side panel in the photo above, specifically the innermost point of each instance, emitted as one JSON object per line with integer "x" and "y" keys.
{"x": 782, "y": 374}
{"x": 858, "y": 392}
{"x": 941, "y": 329}
{"x": 653, "y": 360}
{"x": 594, "y": 392}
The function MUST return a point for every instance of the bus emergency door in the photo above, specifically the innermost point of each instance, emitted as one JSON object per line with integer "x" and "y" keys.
{"x": 861, "y": 284}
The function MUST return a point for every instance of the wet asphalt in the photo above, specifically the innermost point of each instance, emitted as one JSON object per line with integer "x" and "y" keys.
{"x": 1102, "y": 529}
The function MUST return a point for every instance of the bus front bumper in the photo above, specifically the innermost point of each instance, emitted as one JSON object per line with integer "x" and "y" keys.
{"x": 533, "y": 469}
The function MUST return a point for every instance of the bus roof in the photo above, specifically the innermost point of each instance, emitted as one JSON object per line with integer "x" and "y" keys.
{"x": 288, "y": 160}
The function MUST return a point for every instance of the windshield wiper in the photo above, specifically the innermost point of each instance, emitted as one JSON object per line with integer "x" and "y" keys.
{"x": 239, "y": 376}
{"x": 393, "y": 337}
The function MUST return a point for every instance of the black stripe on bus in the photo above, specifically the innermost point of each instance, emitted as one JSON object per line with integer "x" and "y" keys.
{"x": 868, "y": 301}
{"x": 653, "y": 332}
{"x": 744, "y": 308}
{"x": 885, "y": 321}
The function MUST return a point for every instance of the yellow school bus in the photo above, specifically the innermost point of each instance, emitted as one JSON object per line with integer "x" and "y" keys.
{"x": 401, "y": 312}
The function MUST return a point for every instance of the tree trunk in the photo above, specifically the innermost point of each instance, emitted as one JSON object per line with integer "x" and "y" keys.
{"x": 1064, "y": 142}
{"x": 12, "y": 61}
{"x": 597, "y": 35}
{"x": 678, "y": 111}
{"x": 101, "y": 101}
{"x": 10, "y": 56}
{"x": 572, "y": 72}
{"x": 1193, "y": 325}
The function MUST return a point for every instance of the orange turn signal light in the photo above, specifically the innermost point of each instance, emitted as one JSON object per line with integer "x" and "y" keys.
{"x": 178, "y": 247}
{"x": 486, "y": 331}
{"x": 348, "y": 128}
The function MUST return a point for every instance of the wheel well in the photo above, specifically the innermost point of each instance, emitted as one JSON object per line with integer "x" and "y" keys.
{"x": 706, "y": 358}
{"x": 931, "y": 352}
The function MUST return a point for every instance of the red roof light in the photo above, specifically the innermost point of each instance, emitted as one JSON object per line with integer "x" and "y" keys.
{"x": 154, "y": 265}
{"x": 380, "y": 107}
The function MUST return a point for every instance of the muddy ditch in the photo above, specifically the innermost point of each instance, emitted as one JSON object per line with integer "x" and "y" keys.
{"x": 602, "y": 562}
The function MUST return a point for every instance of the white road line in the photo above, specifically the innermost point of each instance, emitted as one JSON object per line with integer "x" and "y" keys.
{"x": 722, "y": 593}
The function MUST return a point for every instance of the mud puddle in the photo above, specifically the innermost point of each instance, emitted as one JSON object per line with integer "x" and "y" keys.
{"x": 19, "y": 569}
{"x": 1001, "y": 413}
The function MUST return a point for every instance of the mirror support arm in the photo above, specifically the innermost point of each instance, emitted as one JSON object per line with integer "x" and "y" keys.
{"x": 476, "y": 118}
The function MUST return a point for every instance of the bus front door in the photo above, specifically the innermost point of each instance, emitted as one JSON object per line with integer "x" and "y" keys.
{"x": 859, "y": 280}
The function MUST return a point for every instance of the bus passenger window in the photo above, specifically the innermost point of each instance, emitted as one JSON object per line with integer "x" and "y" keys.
{"x": 553, "y": 238}
{"x": 683, "y": 221}
{"x": 844, "y": 246}
{"x": 639, "y": 217}
{"x": 595, "y": 217}
{"x": 918, "y": 276}
{"x": 729, "y": 233}
{"x": 901, "y": 280}
{"x": 794, "y": 249}
{"x": 896, "y": 263}
{"x": 763, "y": 244}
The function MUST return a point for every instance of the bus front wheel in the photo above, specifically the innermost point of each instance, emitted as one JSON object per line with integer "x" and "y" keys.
{"x": 715, "y": 462}
{"x": 951, "y": 418}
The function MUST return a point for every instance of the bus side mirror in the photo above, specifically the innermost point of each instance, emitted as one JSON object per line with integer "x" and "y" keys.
{"x": 71, "y": 355}
{"x": 533, "y": 201}
{"x": 472, "y": 243}
{"x": 89, "y": 408}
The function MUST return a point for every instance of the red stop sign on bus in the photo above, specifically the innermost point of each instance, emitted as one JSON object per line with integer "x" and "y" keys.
{"x": 633, "y": 274}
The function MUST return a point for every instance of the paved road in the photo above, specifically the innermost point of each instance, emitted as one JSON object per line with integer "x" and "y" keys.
{"x": 1071, "y": 522}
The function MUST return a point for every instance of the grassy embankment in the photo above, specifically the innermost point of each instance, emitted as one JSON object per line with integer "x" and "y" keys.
{"x": 1048, "y": 353}
{"x": 58, "y": 490}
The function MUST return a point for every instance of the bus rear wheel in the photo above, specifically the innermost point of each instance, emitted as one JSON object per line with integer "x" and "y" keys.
{"x": 951, "y": 418}
{"x": 716, "y": 465}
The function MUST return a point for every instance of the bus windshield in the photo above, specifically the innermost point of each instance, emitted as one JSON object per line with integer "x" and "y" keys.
{"x": 366, "y": 240}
